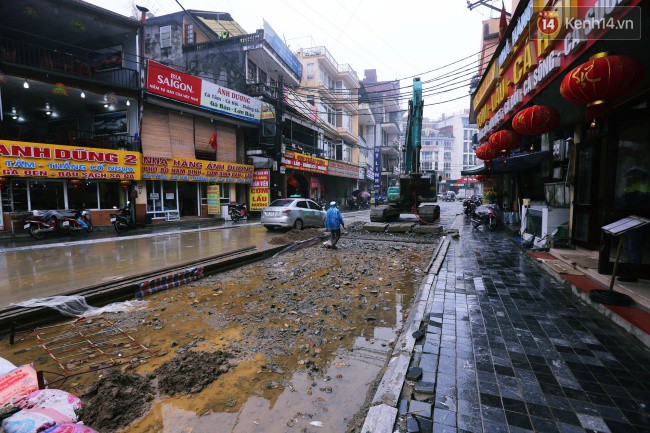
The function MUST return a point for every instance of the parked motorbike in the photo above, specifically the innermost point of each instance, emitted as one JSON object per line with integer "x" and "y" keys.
{"x": 487, "y": 215}
{"x": 468, "y": 207}
{"x": 123, "y": 221}
{"x": 63, "y": 222}
{"x": 238, "y": 211}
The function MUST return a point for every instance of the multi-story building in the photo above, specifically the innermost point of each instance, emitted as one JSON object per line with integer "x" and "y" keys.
{"x": 460, "y": 154}
{"x": 69, "y": 134}
{"x": 332, "y": 89}
{"x": 239, "y": 69}
{"x": 382, "y": 98}
{"x": 435, "y": 146}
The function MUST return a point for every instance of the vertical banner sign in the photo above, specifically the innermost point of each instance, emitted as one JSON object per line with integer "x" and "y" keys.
{"x": 377, "y": 171}
{"x": 258, "y": 193}
{"x": 214, "y": 200}
{"x": 2, "y": 224}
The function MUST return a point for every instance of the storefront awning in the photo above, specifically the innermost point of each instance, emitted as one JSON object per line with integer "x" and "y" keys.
{"x": 515, "y": 163}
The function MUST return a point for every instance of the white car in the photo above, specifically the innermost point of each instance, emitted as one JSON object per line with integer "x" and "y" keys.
{"x": 293, "y": 212}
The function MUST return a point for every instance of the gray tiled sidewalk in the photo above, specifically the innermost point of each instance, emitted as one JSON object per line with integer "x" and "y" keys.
{"x": 508, "y": 349}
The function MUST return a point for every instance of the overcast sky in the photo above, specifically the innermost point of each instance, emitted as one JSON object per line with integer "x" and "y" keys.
{"x": 398, "y": 38}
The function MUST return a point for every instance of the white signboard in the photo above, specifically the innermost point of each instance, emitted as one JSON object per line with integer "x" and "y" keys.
{"x": 218, "y": 98}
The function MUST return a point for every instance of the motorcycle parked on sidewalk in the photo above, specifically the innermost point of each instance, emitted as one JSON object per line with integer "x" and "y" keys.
{"x": 63, "y": 222}
{"x": 487, "y": 215}
{"x": 468, "y": 207}
{"x": 238, "y": 211}
{"x": 123, "y": 221}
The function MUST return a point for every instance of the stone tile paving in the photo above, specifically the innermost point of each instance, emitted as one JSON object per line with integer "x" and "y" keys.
{"x": 507, "y": 349}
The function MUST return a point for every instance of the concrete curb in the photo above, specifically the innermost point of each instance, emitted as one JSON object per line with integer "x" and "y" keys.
{"x": 382, "y": 414}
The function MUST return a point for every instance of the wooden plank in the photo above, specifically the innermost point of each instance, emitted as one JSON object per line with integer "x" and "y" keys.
{"x": 226, "y": 143}
{"x": 380, "y": 419}
{"x": 203, "y": 130}
{"x": 155, "y": 132}
{"x": 181, "y": 135}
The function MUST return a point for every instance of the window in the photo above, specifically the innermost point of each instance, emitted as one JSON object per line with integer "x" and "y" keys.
{"x": 448, "y": 175}
{"x": 301, "y": 204}
{"x": 465, "y": 160}
{"x": 110, "y": 194}
{"x": 310, "y": 71}
{"x": 84, "y": 196}
{"x": 263, "y": 77}
{"x": 190, "y": 35}
{"x": 447, "y": 166}
{"x": 165, "y": 36}
{"x": 46, "y": 194}
{"x": 313, "y": 205}
{"x": 435, "y": 165}
{"x": 447, "y": 155}
{"x": 326, "y": 80}
{"x": 328, "y": 114}
{"x": 252, "y": 72}
{"x": 426, "y": 165}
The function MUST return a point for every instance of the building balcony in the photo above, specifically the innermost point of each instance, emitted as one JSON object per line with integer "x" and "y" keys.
{"x": 347, "y": 135}
{"x": 341, "y": 70}
{"x": 391, "y": 128}
{"x": 90, "y": 66}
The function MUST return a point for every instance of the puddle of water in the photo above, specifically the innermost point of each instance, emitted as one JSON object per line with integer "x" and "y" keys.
{"x": 333, "y": 402}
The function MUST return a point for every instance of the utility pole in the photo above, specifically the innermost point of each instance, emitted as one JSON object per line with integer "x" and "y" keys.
{"x": 276, "y": 190}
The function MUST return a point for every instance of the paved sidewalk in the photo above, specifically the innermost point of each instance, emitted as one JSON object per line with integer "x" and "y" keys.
{"x": 508, "y": 349}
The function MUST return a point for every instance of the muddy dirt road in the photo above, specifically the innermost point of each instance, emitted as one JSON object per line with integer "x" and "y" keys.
{"x": 303, "y": 340}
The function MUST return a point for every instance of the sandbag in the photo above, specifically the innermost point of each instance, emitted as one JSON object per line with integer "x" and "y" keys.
{"x": 5, "y": 366}
{"x": 61, "y": 401}
{"x": 70, "y": 428}
{"x": 17, "y": 383}
{"x": 34, "y": 420}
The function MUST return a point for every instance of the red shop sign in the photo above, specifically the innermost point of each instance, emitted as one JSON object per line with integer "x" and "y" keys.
{"x": 170, "y": 83}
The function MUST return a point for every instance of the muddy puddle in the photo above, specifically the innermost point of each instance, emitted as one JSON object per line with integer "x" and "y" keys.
{"x": 307, "y": 336}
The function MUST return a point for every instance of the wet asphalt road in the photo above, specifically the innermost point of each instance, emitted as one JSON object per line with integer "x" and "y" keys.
{"x": 38, "y": 270}
{"x": 508, "y": 349}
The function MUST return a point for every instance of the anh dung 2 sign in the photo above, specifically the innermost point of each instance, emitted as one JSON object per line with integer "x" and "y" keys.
{"x": 21, "y": 159}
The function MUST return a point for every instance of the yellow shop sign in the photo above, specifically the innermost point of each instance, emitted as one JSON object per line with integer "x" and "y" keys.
{"x": 21, "y": 159}
{"x": 195, "y": 170}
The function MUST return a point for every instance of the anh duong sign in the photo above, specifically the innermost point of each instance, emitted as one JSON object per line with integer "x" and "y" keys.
{"x": 195, "y": 170}
{"x": 170, "y": 83}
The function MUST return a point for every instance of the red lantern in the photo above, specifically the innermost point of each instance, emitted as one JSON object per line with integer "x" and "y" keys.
{"x": 486, "y": 153}
{"x": 600, "y": 80}
{"x": 76, "y": 183}
{"x": 536, "y": 120}
{"x": 125, "y": 184}
{"x": 504, "y": 140}
{"x": 481, "y": 177}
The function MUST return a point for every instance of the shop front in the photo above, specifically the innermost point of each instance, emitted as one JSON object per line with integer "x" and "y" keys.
{"x": 304, "y": 175}
{"x": 596, "y": 166}
{"x": 37, "y": 176}
{"x": 179, "y": 187}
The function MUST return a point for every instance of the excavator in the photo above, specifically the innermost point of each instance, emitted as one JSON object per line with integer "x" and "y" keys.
{"x": 417, "y": 190}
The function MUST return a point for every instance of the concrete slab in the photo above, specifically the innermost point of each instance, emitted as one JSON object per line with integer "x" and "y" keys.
{"x": 390, "y": 387}
{"x": 380, "y": 419}
{"x": 375, "y": 227}
{"x": 434, "y": 230}
{"x": 400, "y": 228}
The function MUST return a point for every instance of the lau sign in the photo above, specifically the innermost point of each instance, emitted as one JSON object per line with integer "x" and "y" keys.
{"x": 259, "y": 190}
{"x": 165, "y": 81}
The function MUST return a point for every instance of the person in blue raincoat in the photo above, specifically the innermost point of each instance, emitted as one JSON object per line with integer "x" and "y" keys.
{"x": 333, "y": 222}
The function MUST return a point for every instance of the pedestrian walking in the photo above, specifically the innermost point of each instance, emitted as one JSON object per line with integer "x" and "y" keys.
{"x": 333, "y": 222}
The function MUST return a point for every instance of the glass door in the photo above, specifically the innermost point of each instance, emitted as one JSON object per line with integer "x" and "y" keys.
{"x": 585, "y": 206}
